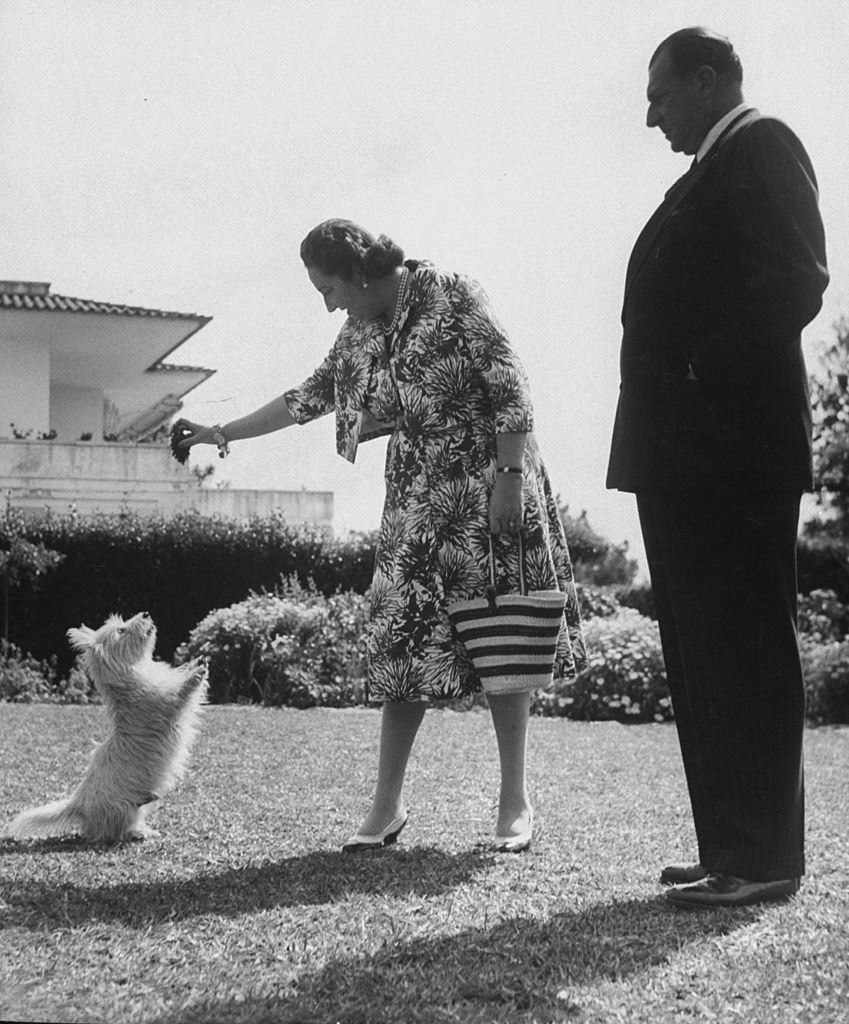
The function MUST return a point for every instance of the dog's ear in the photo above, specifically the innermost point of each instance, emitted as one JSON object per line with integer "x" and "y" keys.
{"x": 81, "y": 639}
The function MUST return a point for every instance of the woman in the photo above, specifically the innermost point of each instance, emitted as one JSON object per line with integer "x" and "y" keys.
{"x": 422, "y": 357}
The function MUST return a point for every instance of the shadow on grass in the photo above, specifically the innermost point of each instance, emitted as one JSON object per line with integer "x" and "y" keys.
{"x": 313, "y": 878}
{"x": 521, "y": 969}
{"x": 57, "y": 844}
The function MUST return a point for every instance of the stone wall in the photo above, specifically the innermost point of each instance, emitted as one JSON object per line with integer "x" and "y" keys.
{"x": 108, "y": 477}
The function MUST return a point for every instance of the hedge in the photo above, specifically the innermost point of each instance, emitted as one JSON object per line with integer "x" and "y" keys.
{"x": 214, "y": 588}
{"x": 176, "y": 568}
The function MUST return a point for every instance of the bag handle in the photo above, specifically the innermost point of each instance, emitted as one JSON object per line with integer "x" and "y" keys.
{"x": 522, "y": 587}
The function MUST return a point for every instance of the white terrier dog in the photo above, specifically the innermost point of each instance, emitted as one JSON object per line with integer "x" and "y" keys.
{"x": 152, "y": 711}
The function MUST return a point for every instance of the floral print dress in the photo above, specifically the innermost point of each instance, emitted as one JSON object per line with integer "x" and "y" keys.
{"x": 448, "y": 381}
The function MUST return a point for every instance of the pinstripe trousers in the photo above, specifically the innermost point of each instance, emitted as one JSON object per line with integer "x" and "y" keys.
{"x": 723, "y": 573}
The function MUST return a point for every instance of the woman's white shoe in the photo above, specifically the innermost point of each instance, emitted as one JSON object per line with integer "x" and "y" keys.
{"x": 387, "y": 837}
{"x": 516, "y": 843}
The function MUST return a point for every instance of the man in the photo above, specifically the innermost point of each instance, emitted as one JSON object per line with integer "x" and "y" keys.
{"x": 713, "y": 435}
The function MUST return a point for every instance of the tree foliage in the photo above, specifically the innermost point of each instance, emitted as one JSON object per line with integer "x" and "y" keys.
{"x": 595, "y": 559}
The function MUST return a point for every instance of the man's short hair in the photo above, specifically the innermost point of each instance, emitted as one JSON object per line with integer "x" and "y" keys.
{"x": 692, "y": 48}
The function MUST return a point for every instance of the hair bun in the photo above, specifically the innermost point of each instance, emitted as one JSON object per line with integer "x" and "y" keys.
{"x": 382, "y": 257}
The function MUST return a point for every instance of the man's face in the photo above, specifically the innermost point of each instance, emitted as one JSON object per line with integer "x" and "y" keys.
{"x": 678, "y": 106}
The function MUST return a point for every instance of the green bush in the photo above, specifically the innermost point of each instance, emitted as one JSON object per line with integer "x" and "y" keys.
{"x": 595, "y": 602}
{"x": 175, "y": 568}
{"x": 26, "y": 680}
{"x": 625, "y": 680}
{"x": 293, "y": 647}
{"x": 23, "y": 679}
{"x": 823, "y": 560}
{"x": 822, "y": 617}
{"x": 639, "y": 596}
{"x": 826, "y": 668}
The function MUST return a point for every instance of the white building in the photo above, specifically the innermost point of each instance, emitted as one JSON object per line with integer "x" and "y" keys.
{"x": 85, "y": 395}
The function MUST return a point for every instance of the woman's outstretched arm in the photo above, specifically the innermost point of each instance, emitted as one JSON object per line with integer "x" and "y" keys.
{"x": 273, "y": 416}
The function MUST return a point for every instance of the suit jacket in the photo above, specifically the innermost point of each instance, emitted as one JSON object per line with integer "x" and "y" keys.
{"x": 721, "y": 281}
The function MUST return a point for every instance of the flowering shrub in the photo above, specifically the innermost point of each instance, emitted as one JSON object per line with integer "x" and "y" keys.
{"x": 822, "y": 617}
{"x": 826, "y": 668}
{"x": 23, "y": 679}
{"x": 625, "y": 680}
{"x": 292, "y": 647}
{"x": 26, "y": 680}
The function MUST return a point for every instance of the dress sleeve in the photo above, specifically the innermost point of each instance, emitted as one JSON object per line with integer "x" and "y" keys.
{"x": 500, "y": 368}
{"x": 343, "y": 384}
{"x": 316, "y": 396}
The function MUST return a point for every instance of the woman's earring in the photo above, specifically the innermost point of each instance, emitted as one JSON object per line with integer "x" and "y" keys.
{"x": 365, "y": 284}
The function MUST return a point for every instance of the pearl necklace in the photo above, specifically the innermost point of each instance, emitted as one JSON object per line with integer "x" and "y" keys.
{"x": 399, "y": 302}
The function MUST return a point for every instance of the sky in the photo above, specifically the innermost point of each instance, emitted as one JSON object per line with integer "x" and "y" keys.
{"x": 173, "y": 153}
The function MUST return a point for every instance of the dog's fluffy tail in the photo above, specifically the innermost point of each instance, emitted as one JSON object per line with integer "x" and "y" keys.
{"x": 56, "y": 819}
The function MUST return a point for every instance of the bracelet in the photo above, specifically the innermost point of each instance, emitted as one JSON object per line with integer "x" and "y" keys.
{"x": 508, "y": 469}
{"x": 220, "y": 441}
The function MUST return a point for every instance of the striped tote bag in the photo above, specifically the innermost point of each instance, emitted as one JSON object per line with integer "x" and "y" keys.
{"x": 510, "y": 638}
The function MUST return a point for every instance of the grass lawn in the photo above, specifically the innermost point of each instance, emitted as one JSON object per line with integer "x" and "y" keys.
{"x": 243, "y": 910}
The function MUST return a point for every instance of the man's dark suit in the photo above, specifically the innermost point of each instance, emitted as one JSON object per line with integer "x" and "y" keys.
{"x": 713, "y": 434}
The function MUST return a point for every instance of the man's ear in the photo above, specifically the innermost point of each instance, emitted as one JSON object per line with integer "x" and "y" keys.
{"x": 81, "y": 639}
{"x": 705, "y": 80}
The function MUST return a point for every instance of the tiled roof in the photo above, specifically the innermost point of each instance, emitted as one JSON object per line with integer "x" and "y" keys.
{"x": 172, "y": 367}
{"x": 66, "y": 304}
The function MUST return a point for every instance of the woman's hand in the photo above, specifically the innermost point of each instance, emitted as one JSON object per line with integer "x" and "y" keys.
{"x": 505, "y": 504}
{"x": 199, "y": 433}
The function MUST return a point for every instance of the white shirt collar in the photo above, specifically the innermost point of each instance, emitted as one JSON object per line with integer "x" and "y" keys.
{"x": 718, "y": 129}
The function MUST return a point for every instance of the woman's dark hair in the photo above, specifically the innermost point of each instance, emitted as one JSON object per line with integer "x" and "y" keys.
{"x": 341, "y": 248}
{"x": 692, "y": 48}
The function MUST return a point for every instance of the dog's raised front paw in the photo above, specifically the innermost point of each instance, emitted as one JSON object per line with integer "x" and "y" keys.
{"x": 197, "y": 671}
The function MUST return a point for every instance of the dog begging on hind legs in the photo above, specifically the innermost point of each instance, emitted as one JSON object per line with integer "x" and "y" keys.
{"x": 152, "y": 711}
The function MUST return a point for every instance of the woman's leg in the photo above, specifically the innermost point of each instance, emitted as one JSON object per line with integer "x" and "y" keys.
{"x": 510, "y": 714}
{"x": 398, "y": 728}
